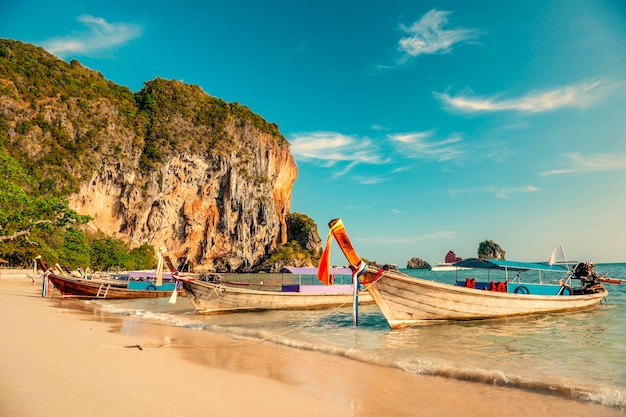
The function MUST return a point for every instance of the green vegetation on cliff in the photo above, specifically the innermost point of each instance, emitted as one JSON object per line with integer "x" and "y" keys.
{"x": 303, "y": 247}
{"x": 68, "y": 108}
{"x": 56, "y": 123}
{"x": 201, "y": 121}
{"x": 38, "y": 225}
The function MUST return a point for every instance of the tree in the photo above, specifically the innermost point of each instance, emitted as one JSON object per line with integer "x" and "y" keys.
{"x": 29, "y": 222}
{"x": 108, "y": 253}
{"x": 75, "y": 251}
{"x": 142, "y": 257}
{"x": 303, "y": 230}
{"x": 289, "y": 254}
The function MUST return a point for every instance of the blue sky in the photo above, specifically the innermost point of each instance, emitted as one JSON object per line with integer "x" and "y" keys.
{"x": 425, "y": 125}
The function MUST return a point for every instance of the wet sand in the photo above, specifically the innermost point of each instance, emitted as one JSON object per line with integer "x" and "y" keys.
{"x": 64, "y": 358}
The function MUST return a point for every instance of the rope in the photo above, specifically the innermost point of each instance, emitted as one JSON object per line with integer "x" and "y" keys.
{"x": 368, "y": 283}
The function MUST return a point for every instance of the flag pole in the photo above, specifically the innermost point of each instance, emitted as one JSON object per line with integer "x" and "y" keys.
{"x": 159, "y": 271}
{"x": 356, "y": 263}
{"x": 166, "y": 259}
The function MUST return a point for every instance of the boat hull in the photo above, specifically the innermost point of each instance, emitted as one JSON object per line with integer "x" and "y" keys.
{"x": 446, "y": 267}
{"x": 211, "y": 298}
{"x": 80, "y": 288}
{"x": 406, "y": 301}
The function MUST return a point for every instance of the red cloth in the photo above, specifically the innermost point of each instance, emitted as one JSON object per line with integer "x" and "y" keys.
{"x": 323, "y": 270}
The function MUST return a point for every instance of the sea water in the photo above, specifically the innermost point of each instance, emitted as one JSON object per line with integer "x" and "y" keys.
{"x": 574, "y": 355}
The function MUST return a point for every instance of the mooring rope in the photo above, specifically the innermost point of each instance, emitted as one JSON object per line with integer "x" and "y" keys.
{"x": 242, "y": 343}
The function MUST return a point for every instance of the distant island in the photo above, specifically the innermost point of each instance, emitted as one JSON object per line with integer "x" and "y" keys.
{"x": 487, "y": 249}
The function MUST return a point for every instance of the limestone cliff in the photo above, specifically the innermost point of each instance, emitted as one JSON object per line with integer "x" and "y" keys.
{"x": 202, "y": 210}
{"x": 169, "y": 165}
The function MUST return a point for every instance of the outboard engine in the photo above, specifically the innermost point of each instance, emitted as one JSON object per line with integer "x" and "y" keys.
{"x": 581, "y": 270}
{"x": 589, "y": 282}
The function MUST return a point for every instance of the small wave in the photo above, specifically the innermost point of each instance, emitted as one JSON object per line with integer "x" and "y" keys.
{"x": 606, "y": 396}
{"x": 611, "y": 397}
{"x": 169, "y": 318}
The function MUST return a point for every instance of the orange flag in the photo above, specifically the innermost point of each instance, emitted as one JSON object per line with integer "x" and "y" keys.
{"x": 323, "y": 270}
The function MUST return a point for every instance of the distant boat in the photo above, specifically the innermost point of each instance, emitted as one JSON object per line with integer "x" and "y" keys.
{"x": 407, "y": 301}
{"x": 212, "y": 296}
{"x": 448, "y": 264}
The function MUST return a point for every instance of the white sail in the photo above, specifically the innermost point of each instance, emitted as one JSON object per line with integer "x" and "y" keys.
{"x": 558, "y": 255}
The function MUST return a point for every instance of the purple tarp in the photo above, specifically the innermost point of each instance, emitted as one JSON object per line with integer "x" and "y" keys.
{"x": 313, "y": 271}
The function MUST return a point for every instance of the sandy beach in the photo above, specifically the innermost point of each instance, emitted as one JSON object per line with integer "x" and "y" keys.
{"x": 65, "y": 358}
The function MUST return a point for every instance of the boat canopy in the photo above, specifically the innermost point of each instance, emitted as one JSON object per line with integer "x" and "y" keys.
{"x": 145, "y": 274}
{"x": 500, "y": 264}
{"x": 313, "y": 271}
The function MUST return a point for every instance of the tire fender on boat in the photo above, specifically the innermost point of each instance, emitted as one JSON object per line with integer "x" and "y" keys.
{"x": 565, "y": 290}
{"x": 151, "y": 288}
{"x": 521, "y": 290}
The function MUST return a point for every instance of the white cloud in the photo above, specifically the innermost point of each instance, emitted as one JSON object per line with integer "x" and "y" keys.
{"x": 418, "y": 146}
{"x": 333, "y": 147}
{"x": 100, "y": 37}
{"x": 427, "y": 35}
{"x": 584, "y": 164}
{"x": 581, "y": 95}
{"x": 500, "y": 192}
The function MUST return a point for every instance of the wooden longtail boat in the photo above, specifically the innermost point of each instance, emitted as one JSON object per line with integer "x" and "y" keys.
{"x": 102, "y": 288}
{"x": 82, "y": 288}
{"x": 407, "y": 301}
{"x": 213, "y": 296}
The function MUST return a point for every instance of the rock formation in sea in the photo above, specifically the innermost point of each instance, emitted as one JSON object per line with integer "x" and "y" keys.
{"x": 417, "y": 263}
{"x": 488, "y": 249}
{"x": 169, "y": 165}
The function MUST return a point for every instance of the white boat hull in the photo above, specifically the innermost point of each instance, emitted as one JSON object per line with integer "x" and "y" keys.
{"x": 446, "y": 267}
{"x": 406, "y": 301}
{"x": 210, "y": 298}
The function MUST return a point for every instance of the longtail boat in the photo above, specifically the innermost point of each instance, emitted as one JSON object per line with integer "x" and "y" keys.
{"x": 82, "y": 288}
{"x": 407, "y": 301}
{"x": 75, "y": 287}
{"x": 212, "y": 296}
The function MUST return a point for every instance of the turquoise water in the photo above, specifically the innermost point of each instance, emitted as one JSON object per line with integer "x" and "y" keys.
{"x": 575, "y": 355}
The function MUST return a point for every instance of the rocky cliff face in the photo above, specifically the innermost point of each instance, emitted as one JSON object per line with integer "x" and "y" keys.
{"x": 169, "y": 165}
{"x": 204, "y": 211}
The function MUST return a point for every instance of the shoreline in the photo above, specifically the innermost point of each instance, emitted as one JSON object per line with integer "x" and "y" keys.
{"x": 63, "y": 357}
